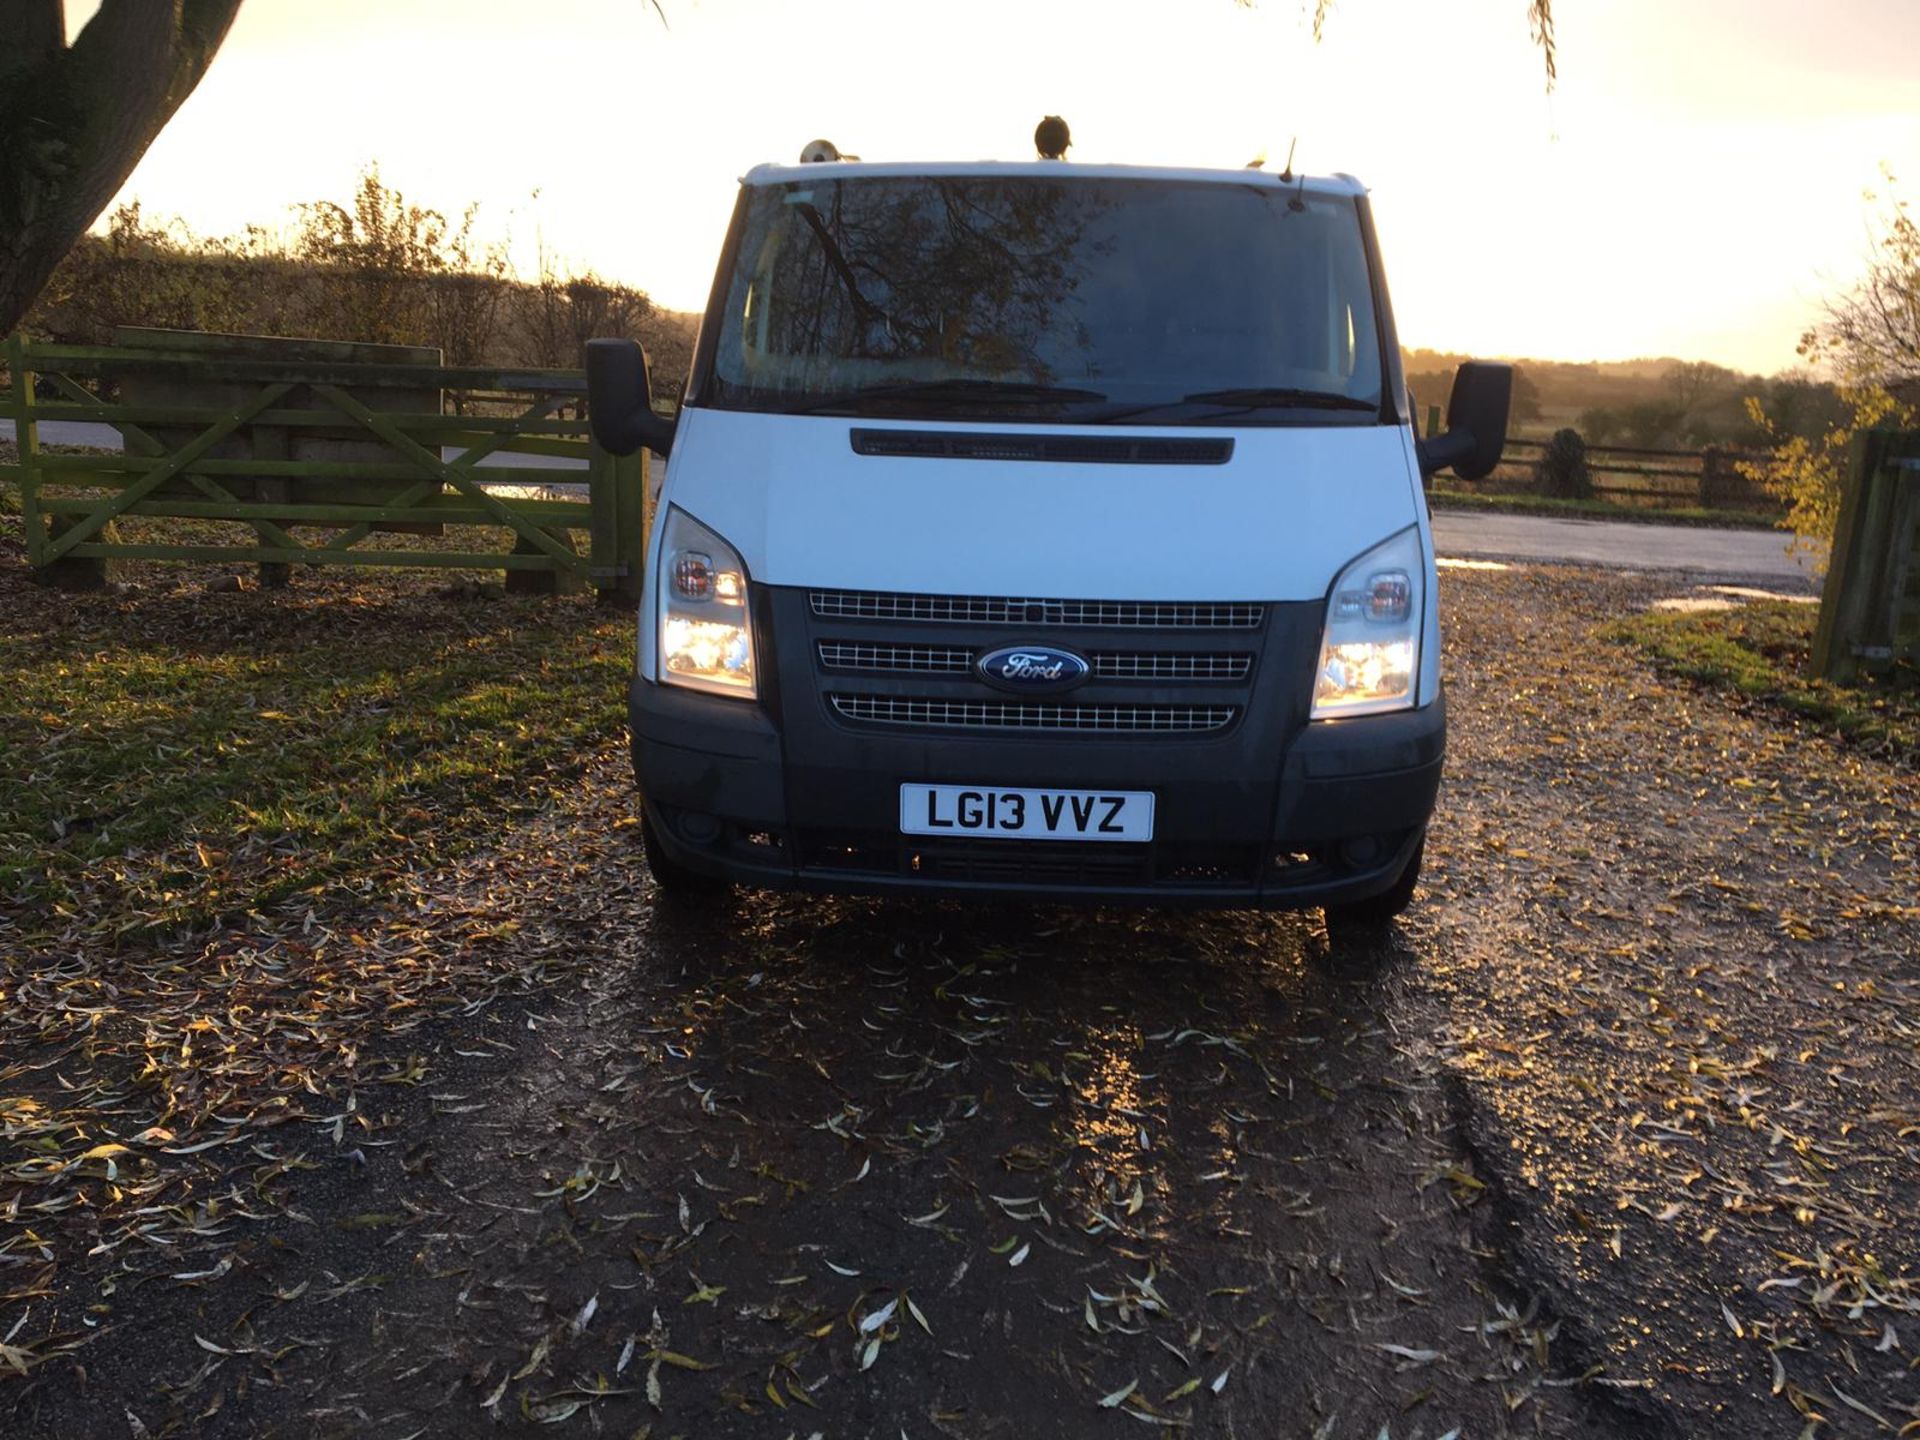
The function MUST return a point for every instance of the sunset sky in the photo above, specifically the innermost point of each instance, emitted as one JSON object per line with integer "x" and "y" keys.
{"x": 1692, "y": 187}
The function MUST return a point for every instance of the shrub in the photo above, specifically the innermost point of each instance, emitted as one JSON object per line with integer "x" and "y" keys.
{"x": 1810, "y": 474}
{"x": 1655, "y": 424}
{"x": 1563, "y": 468}
{"x": 1870, "y": 339}
{"x": 375, "y": 267}
{"x": 1600, "y": 424}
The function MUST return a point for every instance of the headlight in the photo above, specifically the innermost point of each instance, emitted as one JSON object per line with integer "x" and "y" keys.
{"x": 1370, "y": 651}
{"x": 706, "y": 635}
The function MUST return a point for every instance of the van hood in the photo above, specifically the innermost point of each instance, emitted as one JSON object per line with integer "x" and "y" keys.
{"x": 1275, "y": 522}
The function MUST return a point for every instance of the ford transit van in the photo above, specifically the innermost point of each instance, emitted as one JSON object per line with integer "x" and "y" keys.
{"x": 1044, "y": 530}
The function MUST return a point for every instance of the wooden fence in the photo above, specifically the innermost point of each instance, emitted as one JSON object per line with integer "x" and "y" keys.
{"x": 1870, "y": 609}
{"x": 291, "y": 436}
{"x": 1709, "y": 478}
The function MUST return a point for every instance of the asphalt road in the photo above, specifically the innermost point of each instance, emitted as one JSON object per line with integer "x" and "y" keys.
{"x": 1697, "y": 551}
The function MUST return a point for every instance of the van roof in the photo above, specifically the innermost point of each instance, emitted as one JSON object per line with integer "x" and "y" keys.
{"x": 1052, "y": 169}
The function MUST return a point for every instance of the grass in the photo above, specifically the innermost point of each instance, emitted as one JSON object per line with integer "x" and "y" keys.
{"x": 1761, "y": 652}
{"x": 172, "y": 757}
{"x": 1599, "y": 510}
{"x": 252, "y": 843}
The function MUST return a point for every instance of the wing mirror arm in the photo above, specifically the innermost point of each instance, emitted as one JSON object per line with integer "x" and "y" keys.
{"x": 1437, "y": 452}
{"x": 620, "y": 400}
{"x": 1476, "y": 432}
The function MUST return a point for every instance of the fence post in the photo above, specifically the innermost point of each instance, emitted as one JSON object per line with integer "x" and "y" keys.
{"x": 68, "y": 572}
{"x": 617, "y": 490}
{"x": 271, "y": 442}
{"x": 1846, "y": 597}
{"x": 26, "y": 440}
{"x": 630, "y": 491}
{"x": 1713, "y": 477}
{"x": 603, "y": 554}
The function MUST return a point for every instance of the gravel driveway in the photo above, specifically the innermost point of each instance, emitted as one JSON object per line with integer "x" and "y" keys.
{"x": 1618, "y": 1136}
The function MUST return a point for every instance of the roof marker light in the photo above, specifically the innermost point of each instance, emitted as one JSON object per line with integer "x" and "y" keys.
{"x": 1051, "y": 138}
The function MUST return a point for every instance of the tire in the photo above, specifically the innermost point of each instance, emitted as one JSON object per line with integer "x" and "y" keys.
{"x": 1361, "y": 918}
{"x": 678, "y": 884}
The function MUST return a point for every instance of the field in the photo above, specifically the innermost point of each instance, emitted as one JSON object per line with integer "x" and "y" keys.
{"x": 186, "y": 750}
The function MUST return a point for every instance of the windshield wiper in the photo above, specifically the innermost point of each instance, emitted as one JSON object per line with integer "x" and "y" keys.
{"x": 958, "y": 392}
{"x": 1258, "y": 397}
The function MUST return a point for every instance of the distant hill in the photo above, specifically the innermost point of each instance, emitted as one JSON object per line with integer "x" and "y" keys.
{"x": 1659, "y": 401}
{"x": 1564, "y": 387}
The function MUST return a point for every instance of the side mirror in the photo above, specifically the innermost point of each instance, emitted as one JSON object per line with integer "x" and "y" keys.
{"x": 1476, "y": 430}
{"x": 620, "y": 399}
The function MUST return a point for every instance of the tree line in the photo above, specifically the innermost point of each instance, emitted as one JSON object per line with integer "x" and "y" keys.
{"x": 1654, "y": 404}
{"x": 380, "y": 268}
{"x": 376, "y": 267}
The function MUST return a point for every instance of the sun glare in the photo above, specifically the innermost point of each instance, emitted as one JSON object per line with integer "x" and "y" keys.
{"x": 1648, "y": 205}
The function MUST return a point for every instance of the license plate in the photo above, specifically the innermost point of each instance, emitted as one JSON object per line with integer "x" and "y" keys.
{"x": 980, "y": 811}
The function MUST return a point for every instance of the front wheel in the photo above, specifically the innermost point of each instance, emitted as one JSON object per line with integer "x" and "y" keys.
{"x": 1376, "y": 911}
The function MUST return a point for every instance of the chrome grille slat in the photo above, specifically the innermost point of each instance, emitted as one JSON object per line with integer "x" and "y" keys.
{"x": 884, "y": 658}
{"x": 1032, "y": 715}
{"x": 895, "y": 659}
{"x": 1114, "y": 666}
{"x": 1016, "y": 610}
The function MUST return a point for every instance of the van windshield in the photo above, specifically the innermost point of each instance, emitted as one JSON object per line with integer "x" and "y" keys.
{"x": 1085, "y": 299}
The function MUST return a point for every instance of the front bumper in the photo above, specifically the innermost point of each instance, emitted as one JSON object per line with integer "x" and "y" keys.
{"x": 807, "y": 804}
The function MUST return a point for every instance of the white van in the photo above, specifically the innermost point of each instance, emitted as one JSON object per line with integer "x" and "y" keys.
{"x": 1044, "y": 530}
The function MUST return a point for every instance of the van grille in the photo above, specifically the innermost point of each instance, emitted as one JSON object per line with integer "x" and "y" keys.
{"x": 908, "y": 662}
{"x": 885, "y": 659}
{"x": 1009, "y": 610}
{"x": 1032, "y": 716}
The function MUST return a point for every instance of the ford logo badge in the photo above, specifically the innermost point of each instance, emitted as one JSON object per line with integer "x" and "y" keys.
{"x": 1034, "y": 669}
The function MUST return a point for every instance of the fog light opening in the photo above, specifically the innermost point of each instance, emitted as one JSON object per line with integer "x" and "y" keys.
{"x": 1360, "y": 851}
{"x": 700, "y": 828}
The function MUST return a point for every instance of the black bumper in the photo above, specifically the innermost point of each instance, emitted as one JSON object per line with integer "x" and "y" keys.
{"x": 1277, "y": 813}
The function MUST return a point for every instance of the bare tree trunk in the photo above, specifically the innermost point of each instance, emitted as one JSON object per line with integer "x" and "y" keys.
{"x": 74, "y": 121}
{"x": 38, "y": 27}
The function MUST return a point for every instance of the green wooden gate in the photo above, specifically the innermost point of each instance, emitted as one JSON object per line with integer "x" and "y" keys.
{"x": 332, "y": 438}
{"x": 1870, "y": 610}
